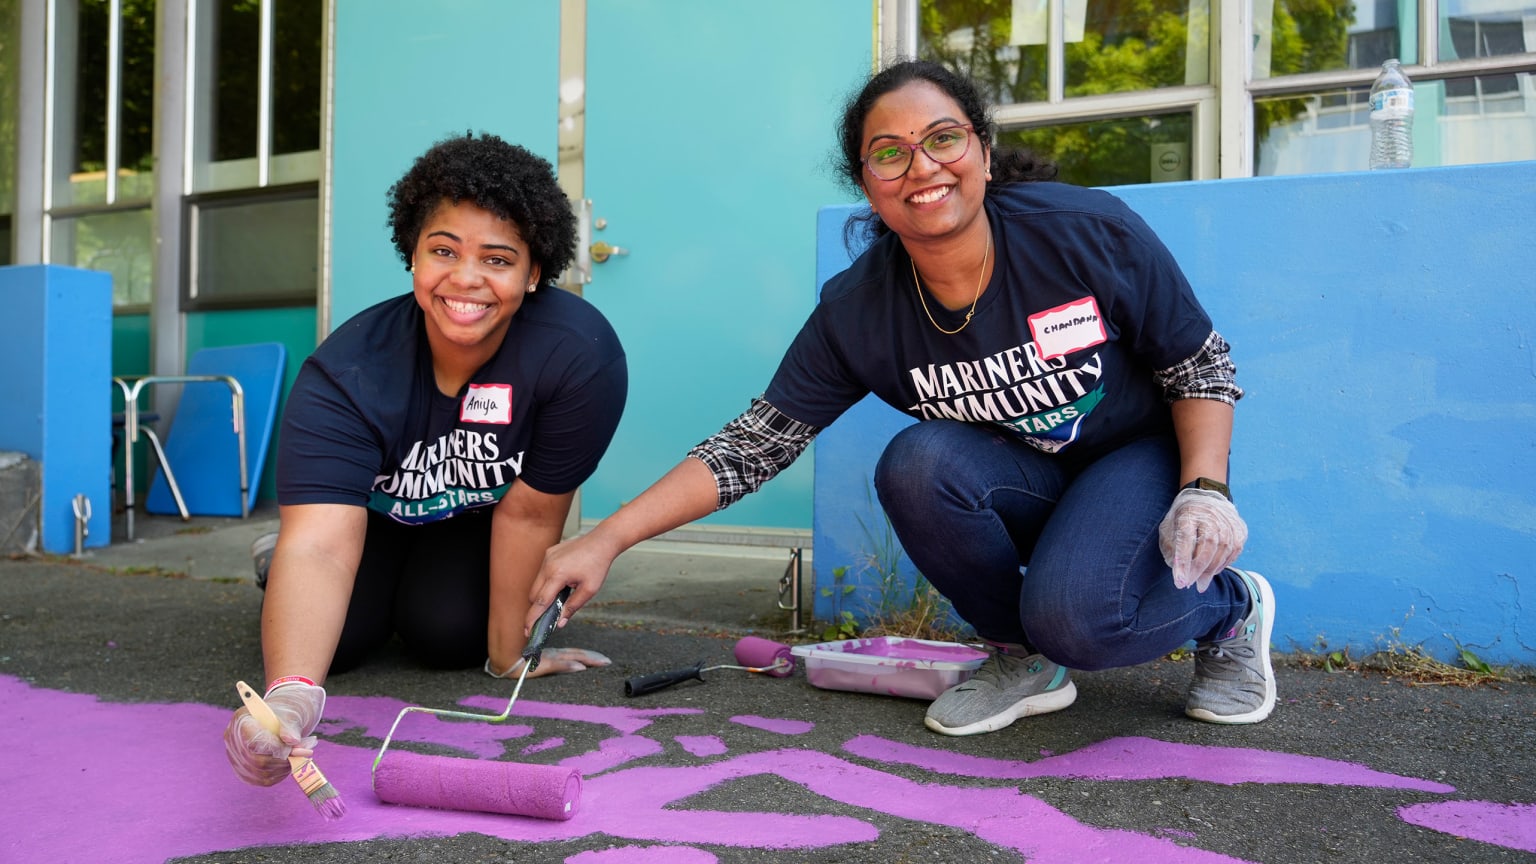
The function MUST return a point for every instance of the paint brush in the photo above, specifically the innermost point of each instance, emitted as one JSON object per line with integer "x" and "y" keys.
{"x": 319, "y": 790}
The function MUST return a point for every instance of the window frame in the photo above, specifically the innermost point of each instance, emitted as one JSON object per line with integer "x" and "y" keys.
{"x": 192, "y": 209}
{"x": 1223, "y": 135}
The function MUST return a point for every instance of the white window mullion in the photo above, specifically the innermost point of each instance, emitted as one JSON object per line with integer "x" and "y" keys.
{"x": 264, "y": 98}
{"x": 1056, "y": 51}
{"x": 1235, "y": 24}
{"x": 1429, "y": 32}
{"x": 114, "y": 93}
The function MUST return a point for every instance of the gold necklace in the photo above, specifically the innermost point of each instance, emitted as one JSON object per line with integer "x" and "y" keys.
{"x": 979, "y": 280}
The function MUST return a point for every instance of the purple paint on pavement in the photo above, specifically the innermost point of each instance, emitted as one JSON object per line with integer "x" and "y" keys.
{"x": 612, "y": 753}
{"x": 701, "y": 745}
{"x": 769, "y": 724}
{"x": 644, "y": 855}
{"x": 1147, "y": 759}
{"x": 541, "y": 746}
{"x": 1509, "y": 825}
{"x": 628, "y": 720}
{"x": 373, "y": 715}
{"x": 69, "y": 753}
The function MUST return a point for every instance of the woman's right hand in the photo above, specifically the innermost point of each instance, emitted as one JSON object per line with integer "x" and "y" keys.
{"x": 260, "y": 757}
{"x": 582, "y": 563}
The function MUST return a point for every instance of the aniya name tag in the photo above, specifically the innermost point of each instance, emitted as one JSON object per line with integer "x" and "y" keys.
{"x": 487, "y": 403}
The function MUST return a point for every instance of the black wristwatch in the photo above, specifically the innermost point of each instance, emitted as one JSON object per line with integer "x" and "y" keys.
{"x": 1210, "y": 485}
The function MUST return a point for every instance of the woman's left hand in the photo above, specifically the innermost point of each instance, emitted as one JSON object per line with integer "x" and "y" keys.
{"x": 1200, "y": 536}
{"x": 552, "y": 661}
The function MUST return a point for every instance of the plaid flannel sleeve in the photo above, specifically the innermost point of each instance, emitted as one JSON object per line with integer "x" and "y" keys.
{"x": 1208, "y": 374}
{"x": 751, "y": 449}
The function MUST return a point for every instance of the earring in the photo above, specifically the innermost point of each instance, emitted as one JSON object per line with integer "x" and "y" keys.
{"x": 532, "y": 287}
{"x": 410, "y": 268}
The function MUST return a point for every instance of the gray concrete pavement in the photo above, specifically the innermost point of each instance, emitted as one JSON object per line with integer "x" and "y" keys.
{"x": 1353, "y": 767}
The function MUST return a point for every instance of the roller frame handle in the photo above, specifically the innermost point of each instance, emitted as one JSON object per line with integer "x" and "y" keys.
{"x": 640, "y": 685}
{"x": 543, "y": 627}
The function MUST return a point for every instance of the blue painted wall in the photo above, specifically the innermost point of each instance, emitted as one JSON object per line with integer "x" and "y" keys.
{"x": 1385, "y": 455}
{"x": 404, "y": 80}
{"x": 56, "y": 348}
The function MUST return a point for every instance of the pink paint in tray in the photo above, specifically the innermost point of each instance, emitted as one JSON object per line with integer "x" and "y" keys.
{"x": 889, "y": 665}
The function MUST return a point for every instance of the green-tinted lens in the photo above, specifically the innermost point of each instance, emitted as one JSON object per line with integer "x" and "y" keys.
{"x": 946, "y": 144}
{"x": 888, "y": 162}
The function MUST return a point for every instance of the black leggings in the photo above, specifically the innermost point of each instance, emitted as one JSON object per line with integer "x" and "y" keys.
{"x": 428, "y": 583}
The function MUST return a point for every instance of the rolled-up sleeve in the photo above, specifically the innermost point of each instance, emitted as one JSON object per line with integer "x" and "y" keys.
{"x": 1207, "y": 374}
{"x": 752, "y": 449}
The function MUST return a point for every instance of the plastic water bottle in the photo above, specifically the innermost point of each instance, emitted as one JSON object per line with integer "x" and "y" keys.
{"x": 1391, "y": 118}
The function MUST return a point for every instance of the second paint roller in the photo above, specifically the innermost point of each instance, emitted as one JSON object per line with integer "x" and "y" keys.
{"x": 444, "y": 782}
{"x": 753, "y": 654}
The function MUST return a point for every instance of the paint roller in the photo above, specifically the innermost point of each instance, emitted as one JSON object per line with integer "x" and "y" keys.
{"x": 753, "y": 654}
{"x": 448, "y": 783}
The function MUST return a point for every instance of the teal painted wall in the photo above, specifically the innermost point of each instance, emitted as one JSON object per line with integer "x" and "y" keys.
{"x": 1383, "y": 457}
{"x": 708, "y": 160}
{"x": 404, "y": 80}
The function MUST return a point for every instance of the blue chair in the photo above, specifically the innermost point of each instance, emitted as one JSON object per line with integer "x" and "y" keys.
{"x": 219, "y": 437}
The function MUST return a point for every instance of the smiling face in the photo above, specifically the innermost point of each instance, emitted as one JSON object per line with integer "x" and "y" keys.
{"x": 930, "y": 201}
{"x": 471, "y": 270}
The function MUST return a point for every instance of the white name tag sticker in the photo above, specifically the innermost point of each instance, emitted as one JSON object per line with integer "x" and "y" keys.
{"x": 487, "y": 403}
{"x": 1067, "y": 328}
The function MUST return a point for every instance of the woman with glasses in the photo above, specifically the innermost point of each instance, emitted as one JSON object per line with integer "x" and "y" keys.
{"x": 1065, "y": 486}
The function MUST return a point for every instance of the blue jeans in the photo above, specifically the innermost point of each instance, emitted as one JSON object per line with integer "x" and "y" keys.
{"x": 1034, "y": 550}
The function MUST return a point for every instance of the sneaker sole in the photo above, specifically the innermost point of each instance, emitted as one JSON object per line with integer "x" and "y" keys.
{"x": 1043, "y": 703}
{"x": 1266, "y": 629}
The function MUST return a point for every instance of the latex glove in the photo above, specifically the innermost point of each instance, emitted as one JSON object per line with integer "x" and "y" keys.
{"x": 261, "y": 758}
{"x": 552, "y": 661}
{"x": 1200, "y": 536}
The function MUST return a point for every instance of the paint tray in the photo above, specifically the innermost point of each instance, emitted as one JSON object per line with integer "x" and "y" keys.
{"x": 889, "y": 665}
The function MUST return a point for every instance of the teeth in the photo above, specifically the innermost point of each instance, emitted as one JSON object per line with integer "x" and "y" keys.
{"x": 930, "y": 196}
{"x": 465, "y": 308}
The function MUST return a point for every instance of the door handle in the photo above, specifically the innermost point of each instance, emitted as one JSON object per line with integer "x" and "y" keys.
{"x": 602, "y": 250}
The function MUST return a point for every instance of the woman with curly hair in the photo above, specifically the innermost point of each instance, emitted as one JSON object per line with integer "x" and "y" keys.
{"x": 1066, "y": 484}
{"x": 432, "y": 445}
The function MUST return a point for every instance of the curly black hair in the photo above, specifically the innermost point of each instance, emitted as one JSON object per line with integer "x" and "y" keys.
{"x": 1009, "y": 165}
{"x": 495, "y": 176}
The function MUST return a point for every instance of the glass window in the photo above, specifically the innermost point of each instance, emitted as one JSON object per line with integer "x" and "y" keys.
{"x": 8, "y": 108}
{"x": 1117, "y": 152}
{"x": 1459, "y": 121}
{"x": 1326, "y": 35}
{"x": 1109, "y": 47}
{"x": 228, "y": 150}
{"x": 119, "y": 242}
{"x": 253, "y": 249}
{"x": 91, "y": 68}
{"x": 1486, "y": 28}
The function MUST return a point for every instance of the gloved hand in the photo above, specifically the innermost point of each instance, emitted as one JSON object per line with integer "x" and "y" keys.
{"x": 1200, "y": 536}
{"x": 261, "y": 758}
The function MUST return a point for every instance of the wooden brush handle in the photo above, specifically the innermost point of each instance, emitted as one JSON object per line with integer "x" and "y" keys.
{"x": 266, "y": 717}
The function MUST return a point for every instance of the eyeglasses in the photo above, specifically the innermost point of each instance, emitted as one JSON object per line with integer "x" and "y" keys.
{"x": 890, "y": 161}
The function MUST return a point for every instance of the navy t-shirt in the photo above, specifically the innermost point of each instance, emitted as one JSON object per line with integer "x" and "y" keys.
{"x": 1084, "y": 303}
{"x": 365, "y": 423}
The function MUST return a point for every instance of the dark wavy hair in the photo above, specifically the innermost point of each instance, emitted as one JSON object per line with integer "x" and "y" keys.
{"x": 498, "y": 177}
{"x": 1009, "y": 165}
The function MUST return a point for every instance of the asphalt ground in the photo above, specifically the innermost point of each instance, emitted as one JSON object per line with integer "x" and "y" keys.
{"x": 1354, "y": 766}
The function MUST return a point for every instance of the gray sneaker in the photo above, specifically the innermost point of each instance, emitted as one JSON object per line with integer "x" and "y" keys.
{"x": 261, "y": 557}
{"x": 1234, "y": 679}
{"x": 1009, "y": 685}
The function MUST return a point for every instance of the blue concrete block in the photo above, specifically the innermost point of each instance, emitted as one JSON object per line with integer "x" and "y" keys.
{"x": 56, "y": 353}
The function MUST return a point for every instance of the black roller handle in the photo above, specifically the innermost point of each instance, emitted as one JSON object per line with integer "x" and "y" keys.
{"x": 640, "y": 685}
{"x": 543, "y": 627}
